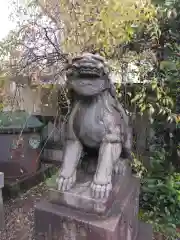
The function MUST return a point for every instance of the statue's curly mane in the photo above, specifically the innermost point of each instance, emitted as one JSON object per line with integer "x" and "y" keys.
{"x": 89, "y": 62}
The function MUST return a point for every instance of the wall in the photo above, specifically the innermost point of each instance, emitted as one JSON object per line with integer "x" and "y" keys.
{"x": 37, "y": 101}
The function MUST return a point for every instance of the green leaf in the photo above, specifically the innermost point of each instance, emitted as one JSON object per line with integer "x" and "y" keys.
{"x": 168, "y": 65}
{"x": 136, "y": 98}
{"x": 154, "y": 85}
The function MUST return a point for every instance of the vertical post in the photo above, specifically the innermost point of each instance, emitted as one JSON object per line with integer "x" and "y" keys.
{"x": 1, "y": 201}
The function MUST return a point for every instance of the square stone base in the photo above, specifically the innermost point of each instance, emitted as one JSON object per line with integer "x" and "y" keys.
{"x": 125, "y": 192}
{"x": 53, "y": 222}
{"x": 75, "y": 215}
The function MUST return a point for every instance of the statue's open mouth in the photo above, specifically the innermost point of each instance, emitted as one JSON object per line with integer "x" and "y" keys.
{"x": 89, "y": 70}
{"x": 86, "y": 72}
{"x": 86, "y": 75}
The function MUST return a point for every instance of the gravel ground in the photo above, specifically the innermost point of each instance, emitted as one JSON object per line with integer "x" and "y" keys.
{"x": 19, "y": 214}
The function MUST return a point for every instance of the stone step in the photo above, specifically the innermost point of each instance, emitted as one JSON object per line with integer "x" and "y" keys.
{"x": 145, "y": 232}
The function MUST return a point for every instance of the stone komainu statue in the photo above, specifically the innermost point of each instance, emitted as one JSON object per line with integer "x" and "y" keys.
{"x": 97, "y": 121}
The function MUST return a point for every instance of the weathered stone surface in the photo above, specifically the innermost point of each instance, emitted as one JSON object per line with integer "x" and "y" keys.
{"x": 80, "y": 197}
{"x": 55, "y": 221}
{"x": 58, "y": 222}
{"x": 97, "y": 123}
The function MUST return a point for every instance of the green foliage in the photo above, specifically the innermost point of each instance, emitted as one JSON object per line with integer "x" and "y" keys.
{"x": 160, "y": 187}
{"x": 158, "y": 43}
{"x": 103, "y": 25}
{"x": 51, "y": 182}
{"x": 160, "y": 195}
{"x": 137, "y": 166}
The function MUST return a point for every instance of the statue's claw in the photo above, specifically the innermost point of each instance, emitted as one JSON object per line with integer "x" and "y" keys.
{"x": 101, "y": 191}
{"x": 66, "y": 183}
{"x": 120, "y": 167}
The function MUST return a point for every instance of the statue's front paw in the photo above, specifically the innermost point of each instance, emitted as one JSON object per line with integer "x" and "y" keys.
{"x": 65, "y": 183}
{"x": 101, "y": 191}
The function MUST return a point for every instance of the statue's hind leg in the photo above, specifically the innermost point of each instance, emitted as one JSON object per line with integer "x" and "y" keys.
{"x": 109, "y": 153}
{"x": 121, "y": 167}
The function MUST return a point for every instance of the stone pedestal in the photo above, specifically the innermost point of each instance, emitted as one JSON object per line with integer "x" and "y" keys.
{"x": 1, "y": 201}
{"x": 75, "y": 215}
